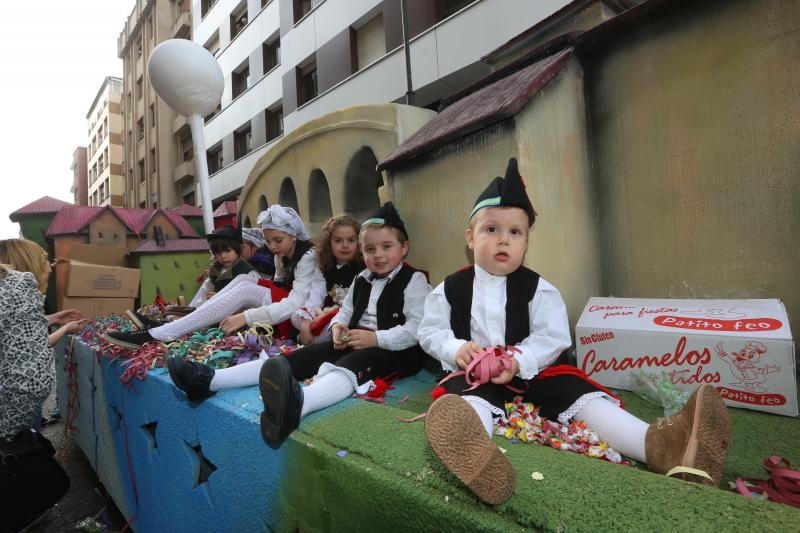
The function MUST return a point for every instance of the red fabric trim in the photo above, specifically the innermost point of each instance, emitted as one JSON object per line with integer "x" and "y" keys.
{"x": 285, "y": 328}
{"x": 319, "y": 323}
{"x": 561, "y": 370}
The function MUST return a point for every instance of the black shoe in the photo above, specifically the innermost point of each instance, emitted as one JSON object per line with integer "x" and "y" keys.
{"x": 143, "y": 322}
{"x": 191, "y": 377}
{"x": 283, "y": 400}
{"x": 132, "y": 340}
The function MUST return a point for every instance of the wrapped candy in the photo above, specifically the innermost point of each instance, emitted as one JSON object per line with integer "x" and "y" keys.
{"x": 657, "y": 389}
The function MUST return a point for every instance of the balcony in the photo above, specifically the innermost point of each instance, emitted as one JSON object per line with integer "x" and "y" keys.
{"x": 182, "y": 29}
{"x": 183, "y": 171}
{"x": 180, "y": 126}
{"x": 140, "y": 108}
{"x": 139, "y": 66}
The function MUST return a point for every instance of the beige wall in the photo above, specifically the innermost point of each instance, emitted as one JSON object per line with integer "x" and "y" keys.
{"x": 548, "y": 139}
{"x": 696, "y": 129}
{"x": 328, "y": 143}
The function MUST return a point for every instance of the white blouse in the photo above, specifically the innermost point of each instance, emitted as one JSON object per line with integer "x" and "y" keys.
{"x": 399, "y": 337}
{"x": 548, "y": 322}
{"x": 305, "y": 291}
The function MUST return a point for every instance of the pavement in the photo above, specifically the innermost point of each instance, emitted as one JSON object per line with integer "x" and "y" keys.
{"x": 85, "y": 506}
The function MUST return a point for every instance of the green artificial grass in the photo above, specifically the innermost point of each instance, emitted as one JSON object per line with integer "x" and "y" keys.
{"x": 391, "y": 481}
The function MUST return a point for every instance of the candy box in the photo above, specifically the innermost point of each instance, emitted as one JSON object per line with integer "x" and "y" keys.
{"x": 744, "y": 348}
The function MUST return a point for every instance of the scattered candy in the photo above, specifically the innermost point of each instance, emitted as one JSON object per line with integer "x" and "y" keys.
{"x": 537, "y": 476}
{"x": 341, "y": 453}
{"x": 657, "y": 389}
{"x": 523, "y": 423}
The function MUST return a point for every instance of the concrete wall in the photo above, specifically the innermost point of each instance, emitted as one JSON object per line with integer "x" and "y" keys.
{"x": 696, "y": 153}
{"x": 328, "y": 144}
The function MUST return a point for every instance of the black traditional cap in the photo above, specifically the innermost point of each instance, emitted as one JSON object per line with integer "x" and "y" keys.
{"x": 226, "y": 232}
{"x": 386, "y": 215}
{"x": 506, "y": 192}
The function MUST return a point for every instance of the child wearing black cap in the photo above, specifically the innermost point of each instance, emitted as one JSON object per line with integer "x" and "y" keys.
{"x": 374, "y": 335}
{"x": 225, "y": 244}
{"x": 500, "y": 302}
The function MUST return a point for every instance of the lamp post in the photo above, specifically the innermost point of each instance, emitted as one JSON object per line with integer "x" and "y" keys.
{"x": 188, "y": 79}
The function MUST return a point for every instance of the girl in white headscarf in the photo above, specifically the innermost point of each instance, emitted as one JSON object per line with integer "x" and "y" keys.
{"x": 298, "y": 281}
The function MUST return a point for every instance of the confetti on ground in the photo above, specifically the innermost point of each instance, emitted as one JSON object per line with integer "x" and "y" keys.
{"x": 341, "y": 453}
{"x": 502, "y": 449}
{"x": 537, "y": 476}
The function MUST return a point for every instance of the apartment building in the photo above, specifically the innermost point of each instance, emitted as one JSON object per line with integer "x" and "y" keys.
{"x": 104, "y": 154}
{"x": 286, "y": 62}
{"x": 159, "y": 158}
{"x": 80, "y": 182}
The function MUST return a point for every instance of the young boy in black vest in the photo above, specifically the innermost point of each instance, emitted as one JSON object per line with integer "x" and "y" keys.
{"x": 499, "y": 301}
{"x": 225, "y": 244}
{"x": 374, "y": 335}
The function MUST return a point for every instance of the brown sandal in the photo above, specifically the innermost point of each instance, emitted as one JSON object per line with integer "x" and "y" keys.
{"x": 457, "y": 436}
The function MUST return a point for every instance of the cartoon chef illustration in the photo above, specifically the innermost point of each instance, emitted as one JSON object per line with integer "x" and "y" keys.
{"x": 744, "y": 367}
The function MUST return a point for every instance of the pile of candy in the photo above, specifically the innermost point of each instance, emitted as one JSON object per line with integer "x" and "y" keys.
{"x": 208, "y": 346}
{"x": 524, "y": 424}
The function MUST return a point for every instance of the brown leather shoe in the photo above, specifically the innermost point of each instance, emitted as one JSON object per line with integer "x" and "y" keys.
{"x": 457, "y": 436}
{"x": 696, "y": 437}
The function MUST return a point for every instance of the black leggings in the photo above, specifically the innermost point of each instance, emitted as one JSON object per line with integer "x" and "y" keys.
{"x": 366, "y": 364}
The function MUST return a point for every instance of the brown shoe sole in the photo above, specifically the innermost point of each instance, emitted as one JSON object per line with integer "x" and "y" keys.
{"x": 457, "y": 436}
{"x": 709, "y": 438}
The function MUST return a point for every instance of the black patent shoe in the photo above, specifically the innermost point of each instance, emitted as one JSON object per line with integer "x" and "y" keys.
{"x": 132, "y": 340}
{"x": 191, "y": 377}
{"x": 283, "y": 401}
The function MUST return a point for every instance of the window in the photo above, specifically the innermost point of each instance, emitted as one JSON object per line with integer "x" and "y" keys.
{"x": 301, "y": 9}
{"x": 212, "y": 45}
{"x": 154, "y": 200}
{"x": 213, "y": 113}
{"x": 272, "y": 54}
{"x": 140, "y": 128}
{"x": 130, "y": 138}
{"x": 205, "y": 5}
{"x": 370, "y": 42}
{"x": 139, "y": 89}
{"x": 240, "y": 81}
{"x": 139, "y": 48}
{"x": 141, "y": 171}
{"x": 445, "y": 8}
{"x": 274, "y": 120}
{"x": 238, "y": 21}
{"x": 187, "y": 150}
{"x": 306, "y": 83}
{"x": 152, "y": 161}
{"x": 152, "y": 115}
{"x": 242, "y": 142}
{"x": 214, "y": 156}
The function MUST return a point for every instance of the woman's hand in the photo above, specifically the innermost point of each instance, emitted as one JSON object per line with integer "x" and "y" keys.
{"x": 465, "y": 353}
{"x": 59, "y": 318}
{"x": 361, "y": 339}
{"x": 233, "y": 323}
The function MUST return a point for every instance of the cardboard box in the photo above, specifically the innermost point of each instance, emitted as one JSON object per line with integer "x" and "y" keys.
{"x": 100, "y": 255}
{"x": 101, "y": 281}
{"x": 744, "y": 348}
{"x": 96, "y": 307}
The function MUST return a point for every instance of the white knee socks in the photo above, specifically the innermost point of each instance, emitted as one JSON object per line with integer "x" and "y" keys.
{"x": 326, "y": 390}
{"x": 483, "y": 411}
{"x": 614, "y": 425}
{"x": 242, "y": 375}
{"x": 227, "y": 302}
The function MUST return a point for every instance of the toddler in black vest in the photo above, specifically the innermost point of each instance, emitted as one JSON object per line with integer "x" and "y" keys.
{"x": 374, "y": 335}
{"x": 225, "y": 244}
{"x": 500, "y": 302}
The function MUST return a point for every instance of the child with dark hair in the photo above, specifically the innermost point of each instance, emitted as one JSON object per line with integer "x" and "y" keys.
{"x": 500, "y": 302}
{"x": 256, "y": 252}
{"x": 340, "y": 261}
{"x": 374, "y": 335}
{"x": 225, "y": 244}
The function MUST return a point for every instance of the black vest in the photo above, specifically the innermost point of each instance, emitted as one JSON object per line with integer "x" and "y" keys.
{"x": 390, "y": 302}
{"x": 520, "y": 287}
{"x": 300, "y": 249}
{"x": 343, "y": 277}
{"x": 240, "y": 267}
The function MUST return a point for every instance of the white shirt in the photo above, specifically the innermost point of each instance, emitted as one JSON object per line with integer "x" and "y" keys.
{"x": 399, "y": 337}
{"x": 305, "y": 291}
{"x": 548, "y": 322}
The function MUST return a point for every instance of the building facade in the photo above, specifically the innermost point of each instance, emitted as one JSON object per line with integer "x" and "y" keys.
{"x": 104, "y": 154}
{"x": 80, "y": 181}
{"x": 287, "y": 62}
{"x": 159, "y": 158}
